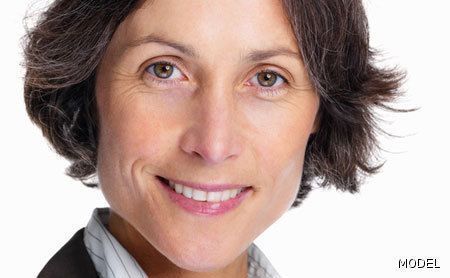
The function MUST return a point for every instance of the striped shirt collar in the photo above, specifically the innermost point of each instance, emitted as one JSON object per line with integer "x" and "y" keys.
{"x": 111, "y": 260}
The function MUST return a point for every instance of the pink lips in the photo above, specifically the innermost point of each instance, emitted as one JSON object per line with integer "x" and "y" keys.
{"x": 203, "y": 207}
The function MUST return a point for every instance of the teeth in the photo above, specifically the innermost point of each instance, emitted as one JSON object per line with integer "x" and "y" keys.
{"x": 187, "y": 192}
{"x": 200, "y": 195}
{"x": 214, "y": 196}
{"x": 178, "y": 188}
{"x": 233, "y": 193}
{"x": 225, "y": 195}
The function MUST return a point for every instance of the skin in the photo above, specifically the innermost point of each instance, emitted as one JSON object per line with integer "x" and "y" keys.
{"x": 213, "y": 124}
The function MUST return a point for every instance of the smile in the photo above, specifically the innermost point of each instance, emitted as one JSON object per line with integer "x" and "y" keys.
{"x": 203, "y": 198}
{"x": 200, "y": 195}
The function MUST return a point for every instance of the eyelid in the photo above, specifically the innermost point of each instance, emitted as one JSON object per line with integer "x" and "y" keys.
{"x": 274, "y": 72}
{"x": 270, "y": 68}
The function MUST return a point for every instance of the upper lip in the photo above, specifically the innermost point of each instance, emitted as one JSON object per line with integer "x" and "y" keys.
{"x": 206, "y": 186}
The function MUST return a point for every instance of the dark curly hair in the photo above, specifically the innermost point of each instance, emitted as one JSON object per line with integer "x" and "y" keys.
{"x": 62, "y": 52}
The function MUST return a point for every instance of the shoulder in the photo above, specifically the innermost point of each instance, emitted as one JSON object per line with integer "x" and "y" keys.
{"x": 71, "y": 261}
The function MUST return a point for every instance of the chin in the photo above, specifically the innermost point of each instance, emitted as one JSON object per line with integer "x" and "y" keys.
{"x": 196, "y": 264}
{"x": 200, "y": 259}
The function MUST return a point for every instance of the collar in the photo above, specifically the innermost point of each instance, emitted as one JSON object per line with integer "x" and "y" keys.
{"x": 112, "y": 260}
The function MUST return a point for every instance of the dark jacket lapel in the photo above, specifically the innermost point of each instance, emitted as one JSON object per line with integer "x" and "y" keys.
{"x": 71, "y": 261}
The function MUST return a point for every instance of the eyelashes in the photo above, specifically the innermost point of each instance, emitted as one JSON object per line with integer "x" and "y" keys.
{"x": 268, "y": 82}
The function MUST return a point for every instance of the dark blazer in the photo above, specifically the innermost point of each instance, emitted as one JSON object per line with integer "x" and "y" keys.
{"x": 71, "y": 261}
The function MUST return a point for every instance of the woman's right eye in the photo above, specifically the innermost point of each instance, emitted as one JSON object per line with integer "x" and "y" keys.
{"x": 164, "y": 70}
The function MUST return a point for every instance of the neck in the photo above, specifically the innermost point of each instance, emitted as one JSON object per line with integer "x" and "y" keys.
{"x": 156, "y": 264}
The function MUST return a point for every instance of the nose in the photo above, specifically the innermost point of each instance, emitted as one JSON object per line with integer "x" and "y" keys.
{"x": 214, "y": 134}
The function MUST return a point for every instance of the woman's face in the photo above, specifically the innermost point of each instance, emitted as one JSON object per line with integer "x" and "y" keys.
{"x": 209, "y": 117}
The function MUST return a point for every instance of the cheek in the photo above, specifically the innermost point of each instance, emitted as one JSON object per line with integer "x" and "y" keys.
{"x": 133, "y": 127}
{"x": 130, "y": 130}
{"x": 287, "y": 184}
{"x": 283, "y": 175}
{"x": 280, "y": 154}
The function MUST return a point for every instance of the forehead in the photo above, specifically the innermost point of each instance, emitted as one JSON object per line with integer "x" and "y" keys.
{"x": 211, "y": 26}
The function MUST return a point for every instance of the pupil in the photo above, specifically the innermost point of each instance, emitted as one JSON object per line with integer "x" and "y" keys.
{"x": 163, "y": 70}
{"x": 267, "y": 79}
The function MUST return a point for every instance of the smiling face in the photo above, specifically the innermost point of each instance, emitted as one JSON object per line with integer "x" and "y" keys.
{"x": 206, "y": 92}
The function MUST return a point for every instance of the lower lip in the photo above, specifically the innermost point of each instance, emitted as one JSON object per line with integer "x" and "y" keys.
{"x": 205, "y": 208}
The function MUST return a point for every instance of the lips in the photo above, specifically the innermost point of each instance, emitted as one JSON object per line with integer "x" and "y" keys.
{"x": 196, "y": 192}
{"x": 220, "y": 199}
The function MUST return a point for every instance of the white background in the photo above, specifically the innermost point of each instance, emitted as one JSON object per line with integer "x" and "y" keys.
{"x": 403, "y": 212}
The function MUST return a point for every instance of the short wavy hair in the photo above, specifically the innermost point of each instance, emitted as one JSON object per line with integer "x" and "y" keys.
{"x": 63, "y": 50}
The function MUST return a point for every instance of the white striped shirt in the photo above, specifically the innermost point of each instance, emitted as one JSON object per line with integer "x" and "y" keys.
{"x": 111, "y": 260}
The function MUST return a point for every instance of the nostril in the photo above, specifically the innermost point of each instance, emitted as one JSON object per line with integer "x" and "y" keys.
{"x": 197, "y": 154}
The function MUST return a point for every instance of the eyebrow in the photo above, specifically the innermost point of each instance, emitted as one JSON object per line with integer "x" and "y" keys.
{"x": 252, "y": 56}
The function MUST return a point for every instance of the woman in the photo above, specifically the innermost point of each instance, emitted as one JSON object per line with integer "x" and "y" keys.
{"x": 204, "y": 122}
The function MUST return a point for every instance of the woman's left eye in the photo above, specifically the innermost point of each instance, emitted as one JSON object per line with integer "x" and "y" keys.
{"x": 268, "y": 79}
